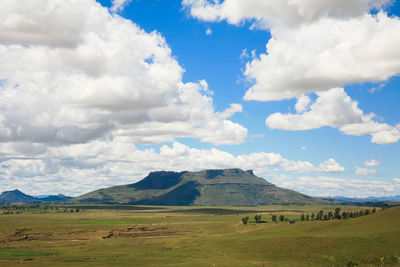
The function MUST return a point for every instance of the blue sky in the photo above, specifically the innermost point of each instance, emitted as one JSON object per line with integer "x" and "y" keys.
{"x": 108, "y": 118}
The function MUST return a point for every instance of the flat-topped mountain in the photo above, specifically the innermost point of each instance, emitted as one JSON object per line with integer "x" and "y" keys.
{"x": 229, "y": 187}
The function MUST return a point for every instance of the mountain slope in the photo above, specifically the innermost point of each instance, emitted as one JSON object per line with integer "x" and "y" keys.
{"x": 15, "y": 196}
{"x": 230, "y": 187}
{"x": 59, "y": 197}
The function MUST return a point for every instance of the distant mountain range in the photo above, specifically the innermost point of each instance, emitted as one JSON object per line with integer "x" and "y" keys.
{"x": 229, "y": 187}
{"x": 16, "y": 196}
{"x": 367, "y": 199}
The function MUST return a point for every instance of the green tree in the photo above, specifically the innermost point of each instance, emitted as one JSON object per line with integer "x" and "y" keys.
{"x": 274, "y": 218}
{"x": 308, "y": 217}
{"x": 257, "y": 218}
{"x": 373, "y": 210}
{"x": 337, "y": 213}
{"x": 330, "y": 215}
{"x": 281, "y": 218}
{"x": 312, "y": 216}
{"x": 302, "y": 217}
{"x": 245, "y": 220}
{"x": 320, "y": 215}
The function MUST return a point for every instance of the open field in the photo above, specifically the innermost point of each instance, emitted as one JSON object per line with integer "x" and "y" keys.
{"x": 197, "y": 236}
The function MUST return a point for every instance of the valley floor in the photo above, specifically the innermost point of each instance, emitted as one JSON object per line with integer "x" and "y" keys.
{"x": 198, "y": 236}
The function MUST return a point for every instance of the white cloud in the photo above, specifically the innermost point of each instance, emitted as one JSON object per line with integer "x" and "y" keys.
{"x": 271, "y": 13}
{"x": 332, "y": 186}
{"x": 356, "y": 50}
{"x": 331, "y": 166}
{"x": 302, "y": 103}
{"x": 336, "y": 109}
{"x": 377, "y": 88}
{"x": 208, "y": 31}
{"x": 119, "y": 5}
{"x": 365, "y": 171}
{"x": 372, "y": 162}
{"x": 303, "y": 148}
{"x": 72, "y": 72}
{"x": 80, "y": 168}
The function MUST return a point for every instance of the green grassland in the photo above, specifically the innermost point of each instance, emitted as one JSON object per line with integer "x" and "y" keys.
{"x": 197, "y": 236}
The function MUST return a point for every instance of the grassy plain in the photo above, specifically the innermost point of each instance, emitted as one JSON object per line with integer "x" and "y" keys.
{"x": 197, "y": 236}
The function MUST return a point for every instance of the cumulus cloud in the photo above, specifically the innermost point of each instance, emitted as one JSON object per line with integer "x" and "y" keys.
{"x": 336, "y": 109}
{"x": 365, "y": 171}
{"x": 271, "y": 13}
{"x": 332, "y": 186}
{"x": 80, "y": 168}
{"x": 372, "y": 162}
{"x": 356, "y": 50}
{"x": 72, "y": 73}
{"x": 329, "y": 165}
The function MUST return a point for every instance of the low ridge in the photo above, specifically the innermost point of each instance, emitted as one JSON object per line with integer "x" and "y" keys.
{"x": 228, "y": 187}
{"x": 16, "y": 196}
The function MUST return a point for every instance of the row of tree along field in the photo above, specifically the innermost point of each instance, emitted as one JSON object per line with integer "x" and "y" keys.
{"x": 319, "y": 216}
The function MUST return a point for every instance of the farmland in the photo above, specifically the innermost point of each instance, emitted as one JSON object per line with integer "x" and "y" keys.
{"x": 197, "y": 236}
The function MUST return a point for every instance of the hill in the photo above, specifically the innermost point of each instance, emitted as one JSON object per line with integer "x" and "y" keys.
{"x": 229, "y": 187}
{"x": 16, "y": 196}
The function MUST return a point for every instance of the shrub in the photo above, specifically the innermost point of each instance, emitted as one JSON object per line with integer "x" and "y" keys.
{"x": 245, "y": 220}
{"x": 281, "y": 218}
{"x": 274, "y": 218}
{"x": 351, "y": 264}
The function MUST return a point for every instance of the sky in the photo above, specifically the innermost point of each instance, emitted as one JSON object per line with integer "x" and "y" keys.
{"x": 99, "y": 93}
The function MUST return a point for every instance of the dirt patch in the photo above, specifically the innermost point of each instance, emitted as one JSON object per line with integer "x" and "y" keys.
{"x": 24, "y": 235}
{"x": 84, "y": 235}
{"x": 143, "y": 231}
{"x": 24, "y": 260}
